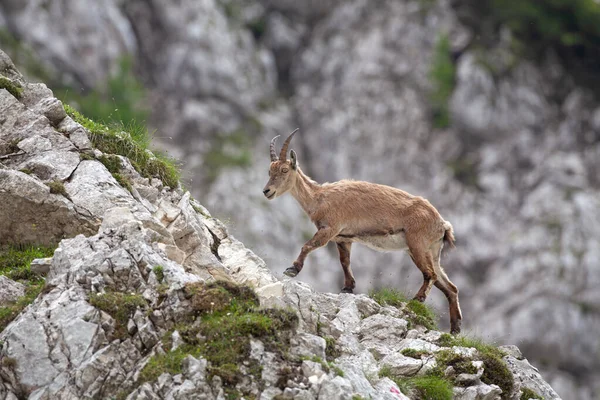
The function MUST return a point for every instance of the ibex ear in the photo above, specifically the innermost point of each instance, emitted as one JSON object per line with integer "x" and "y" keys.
{"x": 293, "y": 157}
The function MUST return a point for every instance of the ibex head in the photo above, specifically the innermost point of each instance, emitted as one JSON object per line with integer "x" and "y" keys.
{"x": 282, "y": 171}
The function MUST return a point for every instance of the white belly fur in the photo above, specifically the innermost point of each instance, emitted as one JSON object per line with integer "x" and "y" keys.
{"x": 383, "y": 243}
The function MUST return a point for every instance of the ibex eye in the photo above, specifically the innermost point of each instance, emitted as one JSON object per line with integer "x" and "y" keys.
{"x": 284, "y": 170}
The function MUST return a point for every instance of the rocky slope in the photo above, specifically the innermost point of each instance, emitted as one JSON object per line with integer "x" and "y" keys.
{"x": 515, "y": 172}
{"x": 142, "y": 297}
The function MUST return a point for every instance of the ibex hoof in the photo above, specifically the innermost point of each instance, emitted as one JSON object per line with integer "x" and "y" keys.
{"x": 455, "y": 327}
{"x": 347, "y": 290}
{"x": 420, "y": 298}
{"x": 291, "y": 272}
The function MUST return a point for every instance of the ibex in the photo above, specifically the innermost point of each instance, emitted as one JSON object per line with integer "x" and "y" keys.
{"x": 382, "y": 217}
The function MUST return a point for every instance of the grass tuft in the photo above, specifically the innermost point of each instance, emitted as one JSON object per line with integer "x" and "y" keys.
{"x": 159, "y": 271}
{"x": 170, "y": 362}
{"x": 57, "y": 187}
{"x": 527, "y": 394}
{"x": 495, "y": 370}
{"x": 447, "y": 358}
{"x": 15, "y": 262}
{"x": 428, "y": 387}
{"x": 121, "y": 306}
{"x": 423, "y": 315}
{"x": 413, "y": 353}
{"x": 418, "y": 313}
{"x": 13, "y": 88}
{"x": 133, "y": 144}
{"x": 9, "y": 312}
{"x": 388, "y": 297}
{"x": 331, "y": 350}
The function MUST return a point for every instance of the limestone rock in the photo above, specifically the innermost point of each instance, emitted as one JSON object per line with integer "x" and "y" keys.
{"x": 10, "y": 290}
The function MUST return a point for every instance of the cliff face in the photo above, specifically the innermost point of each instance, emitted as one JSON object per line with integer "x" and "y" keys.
{"x": 142, "y": 297}
{"x": 515, "y": 171}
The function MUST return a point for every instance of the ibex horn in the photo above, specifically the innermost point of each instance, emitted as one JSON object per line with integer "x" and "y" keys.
{"x": 283, "y": 153}
{"x": 273, "y": 152}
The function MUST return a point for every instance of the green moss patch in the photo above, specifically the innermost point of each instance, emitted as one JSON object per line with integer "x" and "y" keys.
{"x": 447, "y": 358}
{"x": 225, "y": 318}
{"x": 495, "y": 369}
{"x": 422, "y": 314}
{"x": 131, "y": 142}
{"x": 428, "y": 387}
{"x": 111, "y": 162}
{"x": 114, "y": 165}
{"x": 120, "y": 306}
{"x": 527, "y": 394}
{"x": 13, "y": 88}
{"x": 388, "y": 297}
{"x": 57, "y": 187}
{"x": 418, "y": 313}
{"x": 331, "y": 350}
{"x": 159, "y": 272}
{"x": 413, "y": 353}
{"x": 170, "y": 362}
{"x": 10, "y": 312}
{"x": 15, "y": 263}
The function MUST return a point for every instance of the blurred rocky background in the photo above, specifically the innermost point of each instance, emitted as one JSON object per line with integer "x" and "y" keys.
{"x": 487, "y": 108}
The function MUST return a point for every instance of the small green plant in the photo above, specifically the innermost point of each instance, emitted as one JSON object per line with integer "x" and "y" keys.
{"x": 448, "y": 340}
{"x": 130, "y": 141}
{"x": 447, "y": 358}
{"x": 170, "y": 362}
{"x": 124, "y": 181}
{"x": 442, "y": 75}
{"x": 325, "y": 366}
{"x": 428, "y": 387}
{"x": 15, "y": 261}
{"x": 9, "y": 362}
{"x": 57, "y": 187}
{"x": 495, "y": 370}
{"x": 419, "y": 313}
{"x": 527, "y": 394}
{"x": 9, "y": 312}
{"x": 388, "y": 297}
{"x": 121, "y": 306}
{"x": 386, "y": 372}
{"x": 159, "y": 271}
{"x": 357, "y": 397}
{"x": 413, "y": 353}
{"x": 83, "y": 156}
{"x": 13, "y": 88}
{"x": 111, "y": 162}
{"x": 337, "y": 370}
{"x": 331, "y": 350}
{"x": 423, "y": 315}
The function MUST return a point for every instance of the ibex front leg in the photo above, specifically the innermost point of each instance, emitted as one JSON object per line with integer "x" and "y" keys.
{"x": 321, "y": 238}
{"x": 349, "y": 282}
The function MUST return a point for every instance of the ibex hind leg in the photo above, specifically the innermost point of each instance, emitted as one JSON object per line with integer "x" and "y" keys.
{"x": 424, "y": 261}
{"x": 449, "y": 289}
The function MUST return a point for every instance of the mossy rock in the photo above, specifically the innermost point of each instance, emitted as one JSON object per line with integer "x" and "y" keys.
{"x": 225, "y": 318}
{"x": 12, "y": 87}
{"x": 120, "y": 306}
